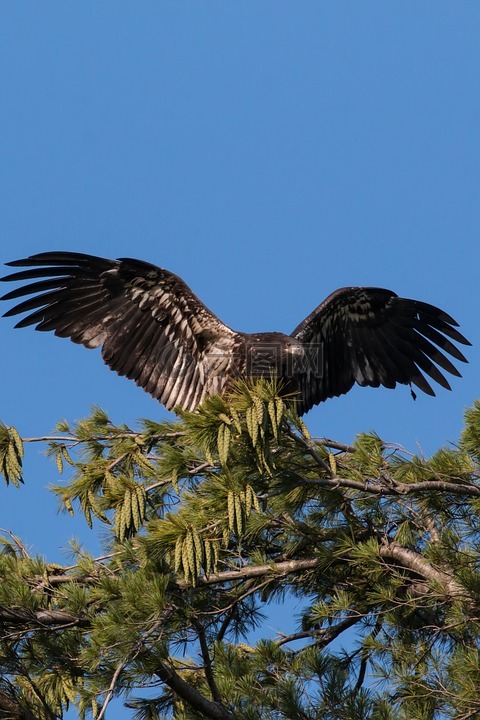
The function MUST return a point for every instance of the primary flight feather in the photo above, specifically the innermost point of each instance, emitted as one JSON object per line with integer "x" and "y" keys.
{"x": 153, "y": 329}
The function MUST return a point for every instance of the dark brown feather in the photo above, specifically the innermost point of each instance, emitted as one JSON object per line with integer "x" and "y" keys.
{"x": 145, "y": 318}
{"x": 379, "y": 339}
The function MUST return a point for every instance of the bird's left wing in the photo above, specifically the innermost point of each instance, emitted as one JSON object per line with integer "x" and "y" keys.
{"x": 150, "y": 325}
{"x": 373, "y": 337}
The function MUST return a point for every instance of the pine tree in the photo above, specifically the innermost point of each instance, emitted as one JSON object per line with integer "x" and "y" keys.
{"x": 211, "y": 518}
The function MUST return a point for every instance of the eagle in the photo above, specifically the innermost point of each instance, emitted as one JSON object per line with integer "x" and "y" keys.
{"x": 154, "y": 330}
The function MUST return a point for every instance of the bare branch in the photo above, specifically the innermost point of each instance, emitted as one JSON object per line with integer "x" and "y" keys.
{"x": 253, "y": 571}
{"x": 284, "y": 639}
{"x": 191, "y": 695}
{"x": 230, "y": 614}
{"x": 43, "y": 618}
{"x": 376, "y": 488}
{"x": 207, "y": 661}
{"x": 331, "y": 633}
{"x": 327, "y": 442}
{"x": 413, "y": 561}
{"x": 324, "y": 636}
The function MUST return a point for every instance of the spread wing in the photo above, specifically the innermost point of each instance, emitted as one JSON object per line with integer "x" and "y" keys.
{"x": 149, "y": 324}
{"x": 373, "y": 337}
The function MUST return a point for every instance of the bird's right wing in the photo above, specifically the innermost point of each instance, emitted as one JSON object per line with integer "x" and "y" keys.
{"x": 150, "y": 325}
{"x": 373, "y": 337}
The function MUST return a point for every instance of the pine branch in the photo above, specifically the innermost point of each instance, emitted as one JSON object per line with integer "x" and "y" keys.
{"x": 284, "y": 639}
{"x": 207, "y": 661}
{"x": 129, "y": 658}
{"x": 309, "y": 449}
{"x": 249, "y": 571}
{"x": 74, "y": 439}
{"x": 11, "y": 709}
{"x": 254, "y": 571}
{"x": 314, "y": 534}
{"x": 327, "y": 635}
{"x": 193, "y": 698}
{"x": 417, "y": 563}
{"x": 386, "y": 490}
{"x": 327, "y": 442}
{"x": 54, "y": 619}
{"x": 379, "y": 488}
{"x": 230, "y": 614}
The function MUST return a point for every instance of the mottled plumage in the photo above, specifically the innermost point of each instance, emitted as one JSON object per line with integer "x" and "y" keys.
{"x": 153, "y": 329}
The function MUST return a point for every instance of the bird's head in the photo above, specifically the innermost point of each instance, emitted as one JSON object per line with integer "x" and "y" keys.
{"x": 294, "y": 346}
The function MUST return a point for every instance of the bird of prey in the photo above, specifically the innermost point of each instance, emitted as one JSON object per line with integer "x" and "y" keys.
{"x": 153, "y": 329}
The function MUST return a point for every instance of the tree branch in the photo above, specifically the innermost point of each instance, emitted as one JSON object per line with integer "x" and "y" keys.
{"x": 400, "y": 488}
{"x": 207, "y": 661}
{"x": 191, "y": 695}
{"x": 413, "y": 561}
{"x": 42, "y": 618}
{"x": 253, "y": 571}
{"x": 327, "y": 442}
{"x": 309, "y": 449}
{"x": 229, "y": 615}
{"x": 324, "y": 636}
{"x": 12, "y": 709}
{"x": 131, "y": 656}
{"x": 293, "y": 637}
{"x": 331, "y": 633}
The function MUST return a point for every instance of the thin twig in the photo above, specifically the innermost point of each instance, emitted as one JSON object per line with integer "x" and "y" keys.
{"x": 309, "y": 449}
{"x": 130, "y": 656}
{"x": 17, "y": 542}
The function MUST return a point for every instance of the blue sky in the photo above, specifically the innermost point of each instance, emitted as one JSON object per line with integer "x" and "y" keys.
{"x": 267, "y": 152}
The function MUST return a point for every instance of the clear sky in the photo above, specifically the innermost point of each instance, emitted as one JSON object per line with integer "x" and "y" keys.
{"x": 268, "y": 152}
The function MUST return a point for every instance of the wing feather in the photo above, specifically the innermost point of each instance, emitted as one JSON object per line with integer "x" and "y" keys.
{"x": 373, "y": 337}
{"x": 149, "y": 324}
{"x": 440, "y": 340}
{"x": 404, "y": 370}
{"x": 389, "y": 369}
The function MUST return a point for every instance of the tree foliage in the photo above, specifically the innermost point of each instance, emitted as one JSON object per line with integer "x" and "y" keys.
{"x": 209, "y": 519}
